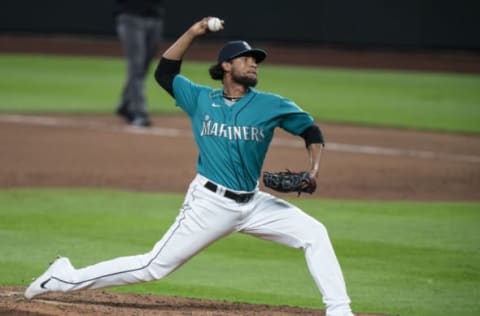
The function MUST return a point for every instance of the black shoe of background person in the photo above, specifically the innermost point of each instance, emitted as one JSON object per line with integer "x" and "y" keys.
{"x": 141, "y": 121}
{"x": 125, "y": 113}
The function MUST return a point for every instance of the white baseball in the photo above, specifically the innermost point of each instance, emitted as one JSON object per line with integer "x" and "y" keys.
{"x": 214, "y": 24}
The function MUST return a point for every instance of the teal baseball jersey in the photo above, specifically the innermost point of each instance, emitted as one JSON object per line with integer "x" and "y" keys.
{"x": 233, "y": 140}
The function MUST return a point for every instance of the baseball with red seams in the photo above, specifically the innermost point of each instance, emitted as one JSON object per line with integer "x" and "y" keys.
{"x": 214, "y": 24}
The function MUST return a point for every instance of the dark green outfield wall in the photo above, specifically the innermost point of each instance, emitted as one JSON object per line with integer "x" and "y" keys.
{"x": 351, "y": 23}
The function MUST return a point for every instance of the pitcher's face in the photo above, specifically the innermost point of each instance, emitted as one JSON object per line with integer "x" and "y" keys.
{"x": 243, "y": 71}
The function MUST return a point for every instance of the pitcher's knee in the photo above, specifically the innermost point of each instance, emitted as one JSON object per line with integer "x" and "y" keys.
{"x": 317, "y": 234}
{"x": 160, "y": 268}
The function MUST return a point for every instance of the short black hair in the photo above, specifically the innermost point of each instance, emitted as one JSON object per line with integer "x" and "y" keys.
{"x": 216, "y": 71}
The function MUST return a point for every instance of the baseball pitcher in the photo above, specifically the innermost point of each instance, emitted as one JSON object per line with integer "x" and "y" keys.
{"x": 233, "y": 127}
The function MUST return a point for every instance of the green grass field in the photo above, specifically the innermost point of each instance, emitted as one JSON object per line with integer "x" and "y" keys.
{"x": 398, "y": 258}
{"x": 421, "y": 100}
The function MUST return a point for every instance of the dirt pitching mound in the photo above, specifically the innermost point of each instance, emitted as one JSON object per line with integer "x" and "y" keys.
{"x": 120, "y": 304}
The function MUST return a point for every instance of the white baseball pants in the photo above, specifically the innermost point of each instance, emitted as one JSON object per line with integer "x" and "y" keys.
{"x": 206, "y": 217}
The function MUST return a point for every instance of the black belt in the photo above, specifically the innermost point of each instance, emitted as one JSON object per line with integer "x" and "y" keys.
{"x": 237, "y": 197}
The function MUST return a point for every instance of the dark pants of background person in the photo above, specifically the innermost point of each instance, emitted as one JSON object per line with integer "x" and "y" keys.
{"x": 140, "y": 38}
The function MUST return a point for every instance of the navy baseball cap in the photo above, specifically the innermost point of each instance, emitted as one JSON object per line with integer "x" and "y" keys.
{"x": 235, "y": 49}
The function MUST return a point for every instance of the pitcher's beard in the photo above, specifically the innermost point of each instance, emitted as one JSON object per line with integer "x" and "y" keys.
{"x": 245, "y": 81}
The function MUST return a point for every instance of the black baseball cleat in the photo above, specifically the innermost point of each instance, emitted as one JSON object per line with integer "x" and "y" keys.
{"x": 125, "y": 113}
{"x": 60, "y": 266}
{"x": 141, "y": 121}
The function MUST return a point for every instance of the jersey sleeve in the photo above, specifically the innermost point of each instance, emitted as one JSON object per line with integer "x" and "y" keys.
{"x": 186, "y": 93}
{"x": 293, "y": 119}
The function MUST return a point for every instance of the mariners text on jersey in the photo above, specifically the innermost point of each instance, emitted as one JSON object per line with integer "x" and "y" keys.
{"x": 247, "y": 133}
